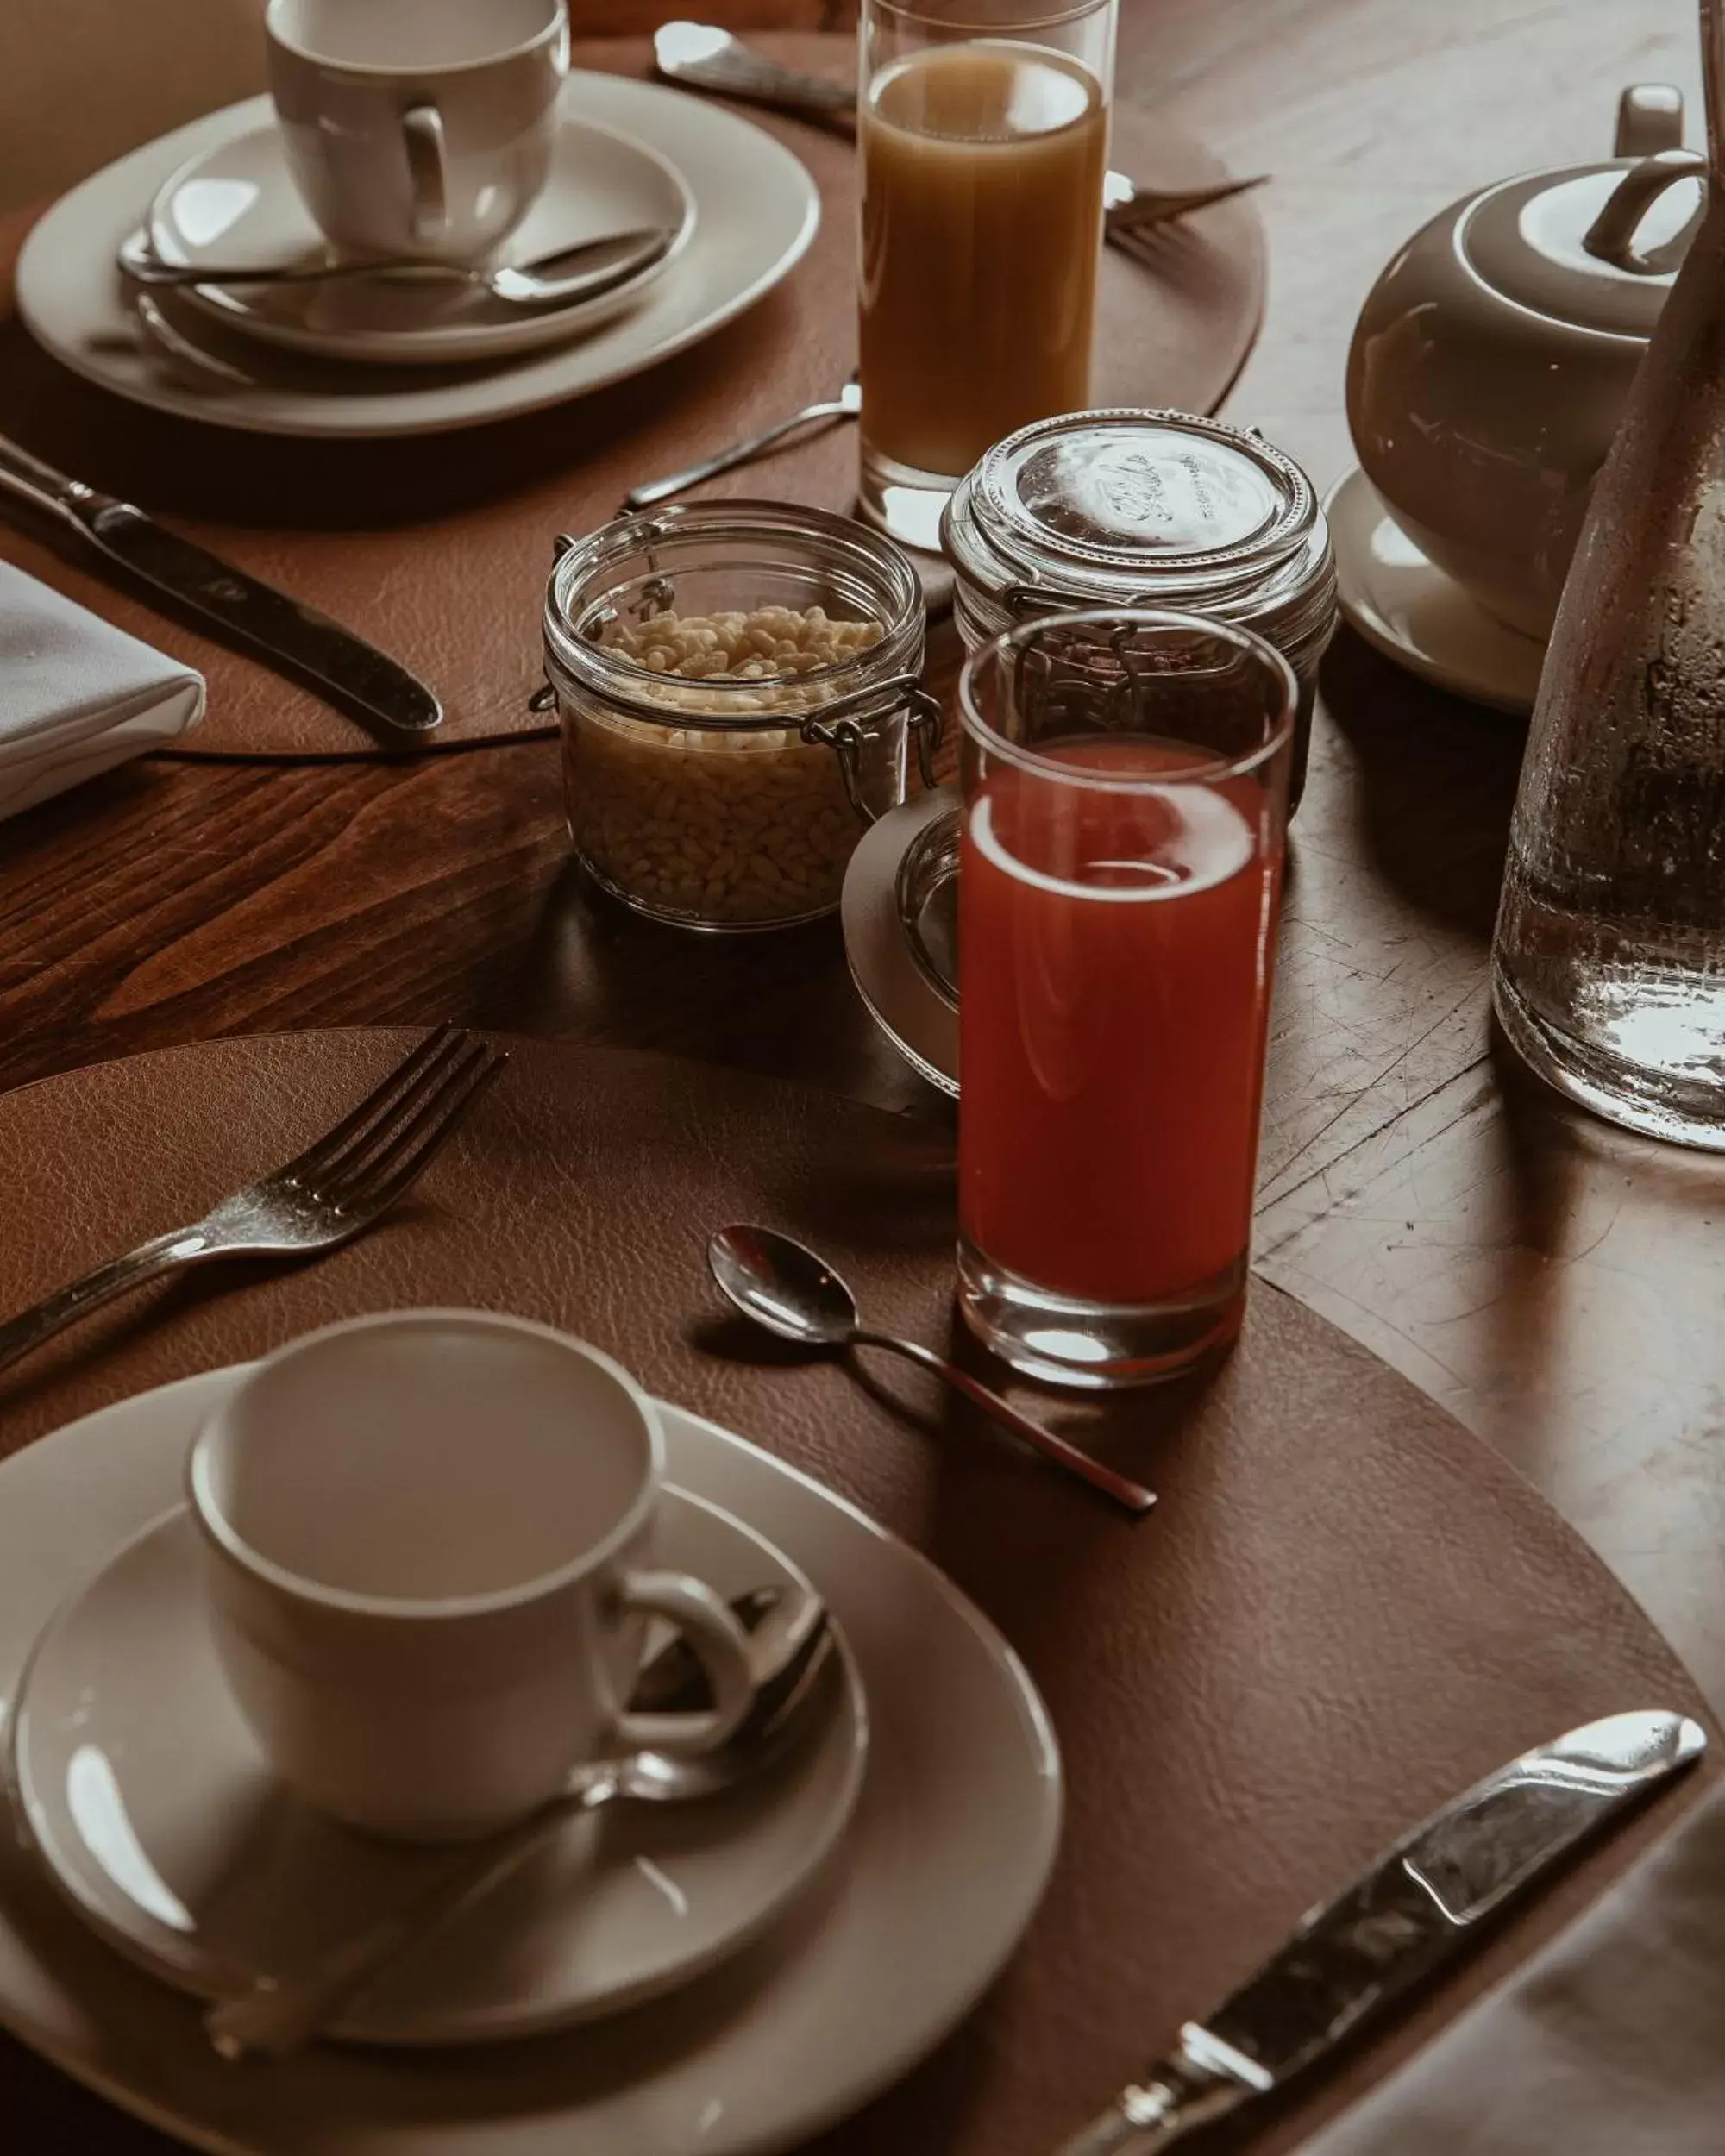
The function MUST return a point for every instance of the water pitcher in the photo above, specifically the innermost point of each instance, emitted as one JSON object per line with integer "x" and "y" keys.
{"x": 1609, "y": 967}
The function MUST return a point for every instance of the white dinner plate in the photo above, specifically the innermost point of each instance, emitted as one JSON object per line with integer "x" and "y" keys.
{"x": 918, "y": 1021}
{"x": 1405, "y": 606}
{"x": 926, "y": 1896}
{"x": 756, "y": 211}
{"x": 235, "y": 204}
{"x": 155, "y": 1811}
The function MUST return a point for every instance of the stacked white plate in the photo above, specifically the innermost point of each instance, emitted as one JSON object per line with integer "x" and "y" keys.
{"x": 784, "y": 1956}
{"x": 377, "y": 357}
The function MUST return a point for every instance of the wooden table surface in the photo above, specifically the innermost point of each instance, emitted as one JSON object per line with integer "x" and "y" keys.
{"x": 1548, "y": 1278}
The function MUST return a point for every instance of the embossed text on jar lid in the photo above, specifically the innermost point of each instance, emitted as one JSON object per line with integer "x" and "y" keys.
{"x": 1128, "y": 490}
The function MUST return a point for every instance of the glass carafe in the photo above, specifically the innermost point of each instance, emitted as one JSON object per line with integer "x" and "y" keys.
{"x": 1609, "y": 963}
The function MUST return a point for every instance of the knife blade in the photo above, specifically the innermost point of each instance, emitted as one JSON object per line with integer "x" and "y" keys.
{"x": 296, "y": 639}
{"x": 1420, "y": 1907}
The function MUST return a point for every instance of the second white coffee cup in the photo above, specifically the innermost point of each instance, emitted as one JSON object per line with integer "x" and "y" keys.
{"x": 427, "y": 1543}
{"x": 418, "y": 128}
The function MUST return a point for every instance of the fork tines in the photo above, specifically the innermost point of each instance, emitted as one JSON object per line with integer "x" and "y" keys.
{"x": 1153, "y": 208}
{"x": 373, "y": 1154}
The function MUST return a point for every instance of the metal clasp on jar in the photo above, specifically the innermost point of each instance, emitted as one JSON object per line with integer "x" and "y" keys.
{"x": 835, "y": 726}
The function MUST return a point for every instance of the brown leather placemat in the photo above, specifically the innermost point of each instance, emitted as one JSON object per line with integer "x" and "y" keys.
{"x": 437, "y": 549}
{"x": 1345, "y": 1608}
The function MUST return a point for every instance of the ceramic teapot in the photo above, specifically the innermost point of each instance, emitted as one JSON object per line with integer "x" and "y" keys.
{"x": 1493, "y": 356}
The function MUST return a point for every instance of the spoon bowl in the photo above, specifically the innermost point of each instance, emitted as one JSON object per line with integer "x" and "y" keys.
{"x": 783, "y": 1286}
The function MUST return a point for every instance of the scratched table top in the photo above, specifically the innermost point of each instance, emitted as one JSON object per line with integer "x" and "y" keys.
{"x": 1548, "y": 1278}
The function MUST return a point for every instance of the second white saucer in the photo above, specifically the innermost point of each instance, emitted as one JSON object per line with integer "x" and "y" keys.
{"x": 157, "y": 1814}
{"x": 1405, "y": 606}
{"x": 236, "y": 202}
{"x": 921, "y": 1024}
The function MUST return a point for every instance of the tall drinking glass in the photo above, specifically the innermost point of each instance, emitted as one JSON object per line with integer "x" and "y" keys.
{"x": 984, "y": 135}
{"x": 1125, "y": 796}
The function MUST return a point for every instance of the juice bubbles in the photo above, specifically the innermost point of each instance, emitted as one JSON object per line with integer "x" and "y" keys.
{"x": 1117, "y": 949}
{"x": 982, "y": 169}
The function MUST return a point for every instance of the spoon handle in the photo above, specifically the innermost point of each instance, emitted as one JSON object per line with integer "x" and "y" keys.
{"x": 1134, "y": 1496}
{"x": 150, "y": 269}
{"x": 277, "y": 2016}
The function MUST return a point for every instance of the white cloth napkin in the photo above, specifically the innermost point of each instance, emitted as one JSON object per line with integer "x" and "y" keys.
{"x": 77, "y": 694}
{"x": 1610, "y": 2043}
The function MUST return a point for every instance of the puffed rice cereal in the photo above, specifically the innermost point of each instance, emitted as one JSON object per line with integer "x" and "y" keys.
{"x": 738, "y": 829}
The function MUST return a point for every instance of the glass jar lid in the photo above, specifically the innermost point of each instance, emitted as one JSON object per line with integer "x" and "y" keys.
{"x": 1098, "y": 507}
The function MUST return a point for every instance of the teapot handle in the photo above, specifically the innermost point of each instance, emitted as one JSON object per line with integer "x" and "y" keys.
{"x": 1649, "y": 119}
{"x": 1611, "y": 236}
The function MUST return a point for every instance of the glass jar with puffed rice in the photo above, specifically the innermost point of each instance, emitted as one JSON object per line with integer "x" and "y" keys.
{"x": 736, "y": 688}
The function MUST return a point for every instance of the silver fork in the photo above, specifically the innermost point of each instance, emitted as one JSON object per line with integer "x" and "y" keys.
{"x": 331, "y": 1193}
{"x": 848, "y": 404}
{"x": 701, "y": 56}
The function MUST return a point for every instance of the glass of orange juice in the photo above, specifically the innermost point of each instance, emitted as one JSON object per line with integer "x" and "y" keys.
{"x": 983, "y": 127}
{"x": 1125, "y": 798}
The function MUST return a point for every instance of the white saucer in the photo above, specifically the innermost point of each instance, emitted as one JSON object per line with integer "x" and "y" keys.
{"x": 916, "y": 1020}
{"x": 235, "y": 202}
{"x": 158, "y": 1815}
{"x": 757, "y": 207}
{"x": 1407, "y": 608}
{"x": 927, "y": 1896}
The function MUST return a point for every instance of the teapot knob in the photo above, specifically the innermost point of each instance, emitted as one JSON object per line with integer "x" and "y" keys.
{"x": 1649, "y": 118}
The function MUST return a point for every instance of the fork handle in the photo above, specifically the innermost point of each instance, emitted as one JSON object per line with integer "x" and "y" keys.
{"x": 728, "y": 460}
{"x": 162, "y": 1254}
{"x": 829, "y": 105}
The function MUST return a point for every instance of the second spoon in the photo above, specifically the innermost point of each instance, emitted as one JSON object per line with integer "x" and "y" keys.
{"x": 785, "y": 1286}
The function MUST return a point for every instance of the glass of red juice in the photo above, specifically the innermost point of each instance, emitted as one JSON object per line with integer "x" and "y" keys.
{"x": 1125, "y": 796}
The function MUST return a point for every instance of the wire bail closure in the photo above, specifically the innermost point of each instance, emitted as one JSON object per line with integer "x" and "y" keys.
{"x": 836, "y": 727}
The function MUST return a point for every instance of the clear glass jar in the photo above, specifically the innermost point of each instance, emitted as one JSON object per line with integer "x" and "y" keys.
{"x": 728, "y": 802}
{"x": 1136, "y": 508}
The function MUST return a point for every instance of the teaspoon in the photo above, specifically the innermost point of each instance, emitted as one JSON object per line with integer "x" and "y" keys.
{"x": 783, "y": 1286}
{"x": 558, "y": 280}
{"x": 794, "y": 1656}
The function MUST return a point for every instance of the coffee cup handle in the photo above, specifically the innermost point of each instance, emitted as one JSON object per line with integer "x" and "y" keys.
{"x": 721, "y": 1647}
{"x": 422, "y": 135}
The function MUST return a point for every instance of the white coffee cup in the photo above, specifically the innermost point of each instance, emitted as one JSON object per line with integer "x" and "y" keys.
{"x": 427, "y": 1543}
{"x": 419, "y": 128}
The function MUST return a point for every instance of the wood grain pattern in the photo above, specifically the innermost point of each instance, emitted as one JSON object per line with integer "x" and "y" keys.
{"x": 1554, "y": 1284}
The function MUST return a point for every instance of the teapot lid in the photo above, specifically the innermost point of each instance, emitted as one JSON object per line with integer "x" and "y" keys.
{"x": 1596, "y": 247}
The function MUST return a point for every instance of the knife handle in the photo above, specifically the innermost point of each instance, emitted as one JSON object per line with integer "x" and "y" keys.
{"x": 39, "y": 484}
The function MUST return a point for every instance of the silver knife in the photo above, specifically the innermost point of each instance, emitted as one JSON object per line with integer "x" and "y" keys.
{"x": 1419, "y": 1906}
{"x": 296, "y": 639}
